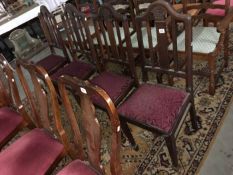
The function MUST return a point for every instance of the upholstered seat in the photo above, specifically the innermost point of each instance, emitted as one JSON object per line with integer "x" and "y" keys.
{"x": 52, "y": 62}
{"x": 115, "y": 85}
{"x": 134, "y": 39}
{"x": 10, "y": 120}
{"x": 154, "y": 105}
{"x": 33, "y": 153}
{"x": 77, "y": 69}
{"x": 122, "y": 35}
{"x": 77, "y": 167}
{"x": 218, "y": 12}
{"x": 204, "y": 41}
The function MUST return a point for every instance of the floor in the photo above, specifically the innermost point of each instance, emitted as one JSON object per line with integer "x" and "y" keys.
{"x": 220, "y": 158}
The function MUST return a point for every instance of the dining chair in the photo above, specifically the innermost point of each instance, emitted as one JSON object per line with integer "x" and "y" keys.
{"x": 113, "y": 47}
{"x": 208, "y": 42}
{"x": 89, "y": 130}
{"x": 76, "y": 67}
{"x": 39, "y": 150}
{"x": 161, "y": 108}
{"x": 13, "y": 116}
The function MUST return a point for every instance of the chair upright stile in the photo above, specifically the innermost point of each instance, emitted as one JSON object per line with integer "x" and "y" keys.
{"x": 13, "y": 116}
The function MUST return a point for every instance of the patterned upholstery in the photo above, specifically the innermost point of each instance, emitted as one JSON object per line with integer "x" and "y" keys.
{"x": 218, "y": 12}
{"x": 33, "y": 153}
{"x": 9, "y": 121}
{"x": 154, "y": 105}
{"x": 134, "y": 39}
{"x": 205, "y": 40}
{"x": 77, "y": 69}
{"x": 77, "y": 167}
{"x": 122, "y": 34}
{"x": 52, "y": 62}
{"x": 115, "y": 85}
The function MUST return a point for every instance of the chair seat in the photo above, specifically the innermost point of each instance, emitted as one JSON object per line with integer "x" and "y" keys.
{"x": 122, "y": 35}
{"x": 77, "y": 69}
{"x": 205, "y": 40}
{"x": 52, "y": 62}
{"x": 33, "y": 153}
{"x": 218, "y": 12}
{"x": 77, "y": 167}
{"x": 154, "y": 105}
{"x": 9, "y": 122}
{"x": 116, "y": 86}
{"x": 134, "y": 39}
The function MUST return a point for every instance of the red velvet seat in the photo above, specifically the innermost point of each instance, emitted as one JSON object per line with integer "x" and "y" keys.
{"x": 10, "y": 121}
{"x": 116, "y": 86}
{"x": 77, "y": 167}
{"x": 218, "y": 12}
{"x": 52, "y": 62}
{"x": 154, "y": 105}
{"x": 32, "y": 154}
{"x": 77, "y": 69}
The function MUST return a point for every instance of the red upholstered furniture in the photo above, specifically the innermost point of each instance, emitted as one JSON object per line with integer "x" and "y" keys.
{"x": 38, "y": 151}
{"x": 76, "y": 67}
{"x": 158, "y": 108}
{"x": 113, "y": 45}
{"x": 87, "y": 129}
{"x": 12, "y": 111}
{"x": 220, "y": 11}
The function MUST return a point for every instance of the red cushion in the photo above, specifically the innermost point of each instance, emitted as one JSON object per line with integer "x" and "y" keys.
{"x": 218, "y": 12}
{"x": 77, "y": 167}
{"x": 9, "y": 122}
{"x": 52, "y": 62}
{"x": 116, "y": 86}
{"x": 154, "y": 105}
{"x": 32, "y": 154}
{"x": 77, "y": 69}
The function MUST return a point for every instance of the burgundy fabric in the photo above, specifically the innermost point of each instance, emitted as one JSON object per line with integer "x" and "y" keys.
{"x": 114, "y": 85}
{"x": 77, "y": 167}
{"x": 9, "y": 121}
{"x": 218, "y": 12}
{"x": 78, "y": 69}
{"x": 32, "y": 154}
{"x": 52, "y": 62}
{"x": 154, "y": 105}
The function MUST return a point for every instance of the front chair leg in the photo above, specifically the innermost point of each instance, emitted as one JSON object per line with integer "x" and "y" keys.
{"x": 193, "y": 117}
{"x": 171, "y": 145}
{"x": 128, "y": 134}
{"x": 212, "y": 82}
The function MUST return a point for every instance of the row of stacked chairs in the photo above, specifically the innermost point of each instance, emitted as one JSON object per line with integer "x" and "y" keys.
{"x": 157, "y": 108}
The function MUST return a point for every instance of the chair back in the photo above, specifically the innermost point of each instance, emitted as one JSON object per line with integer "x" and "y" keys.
{"x": 86, "y": 126}
{"x": 113, "y": 38}
{"x": 78, "y": 31}
{"x": 50, "y": 28}
{"x": 9, "y": 91}
{"x": 164, "y": 28}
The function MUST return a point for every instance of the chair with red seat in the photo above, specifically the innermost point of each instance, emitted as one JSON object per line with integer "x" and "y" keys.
{"x": 113, "y": 46}
{"x": 54, "y": 66}
{"x": 13, "y": 116}
{"x": 39, "y": 150}
{"x": 88, "y": 130}
{"x": 158, "y": 108}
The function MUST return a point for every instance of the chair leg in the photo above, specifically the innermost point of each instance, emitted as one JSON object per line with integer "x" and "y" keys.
{"x": 128, "y": 134}
{"x": 212, "y": 68}
{"x": 171, "y": 145}
{"x": 193, "y": 117}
